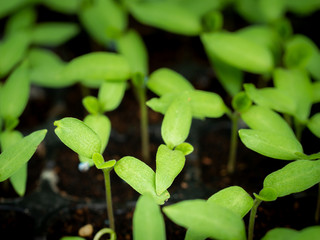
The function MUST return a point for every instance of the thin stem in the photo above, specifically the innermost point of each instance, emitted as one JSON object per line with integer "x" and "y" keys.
{"x": 233, "y": 143}
{"x": 317, "y": 215}
{"x": 106, "y": 173}
{"x": 104, "y": 231}
{"x": 252, "y": 219}
{"x": 144, "y": 124}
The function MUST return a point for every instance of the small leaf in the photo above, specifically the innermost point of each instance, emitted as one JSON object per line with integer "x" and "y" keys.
{"x": 111, "y": 94}
{"x": 169, "y": 163}
{"x": 281, "y": 234}
{"x": 164, "y": 81}
{"x": 267, "y": 194}
{"x": 53, "y": 33}
{"x": 234, "y": 198}
{"x": 148, "y": 222}
{"x": 8, "y": 7}
{"x": 91, "y": 104}
{"x": 132, "y": 47}
{"x": 294, "y": 177}
{"x": 161, "y": 104}
{"x": 18, "y": 154}
{"x": 19, "y": 180}
{"x": 241, "y": 102}
{"x": 76, "y": 135}
{"x": 185, "y": 148}
{"x": 67, "y": 7}
{"x": 14, "y": 94}
{"x": 20, "y": 20}
{"x": 166, "y": 15}
{"x": 97, "y": 66}
{"x": 314, "y": 124}
{"x": 100, "y": 163}
{"x": 140, "y": 177}
{"x": 176, "y": 123}
{"x": 210, "y": 219}
{"x": 101, "y": 125}
{"x": 270, "y": 144}
{"x": 238, "y": 51}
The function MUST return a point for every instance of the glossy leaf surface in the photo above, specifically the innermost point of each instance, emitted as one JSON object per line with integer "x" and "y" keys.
{"x": 78, "y": 136}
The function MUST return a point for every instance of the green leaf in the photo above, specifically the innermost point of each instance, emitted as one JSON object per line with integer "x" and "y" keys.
{"x": 140, "y": 177}
{"x": 186, "y": 148}
{"x": 303, "y": 7}
{"x": 132, "y": 47}
{"x": 234, "y": 198}
{"x": 8, "y": 138}
{"x": 314, "y": 124}
{"x": 309, "y": 233}
{"x": 67, "y": 7}
{"x": 13, "y": 48}
{"x": 267, "y": 194}
{"x": 269, "y": 144}
{"x": 205, "y": 104}
{"x": 8, "y": 7}
{"x": 271, "y": 98}
{"x": 98, "y": 66}
{"x": 53, "y": 34}
{"x": 91, "y": 104}
{"x": 295, "y": 177}
{"x": 250, "y": 10}
{"x": 104, "y": 20}
{"x": 210, "y": 219}
{"x": 46, "y": 68}
{"x": 76, "y": 135}
{"x": 100, "y": 163}
{"x": 101, "y": 125}
{"x": 281, "y": 234}
{"x": 148, "y": 222}
{"x": 111, "y": 94}
{"x": 18, "y": 154}
{"x": 161, "y": 104}
{"x": 241, "y": 102}
{"x": 22, "y": 19}
{"x": 19, "y": 180}
{"x": 239, "y": 52}
{"x": 264, "y": 119}
{"x": 176, "y": 123}
{"x": 169, "y": 163}
{"x": 164, "y": 81}
{"x": 316, "y": 92}
{"x": 166, "y": 15}
{"x": 297, "y": 85}
{"x": 14, "y": 94}
{"x": 272, "y": 10}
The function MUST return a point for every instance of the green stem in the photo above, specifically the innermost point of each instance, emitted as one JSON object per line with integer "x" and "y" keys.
{"x": 252, "y": 219}
{"x": 106, "y": 173}
{"x": 317, "y": 215}
{"x": 104, "y": 231}
{"x": 233, "y": 143}
{"x": 144, "y": 124}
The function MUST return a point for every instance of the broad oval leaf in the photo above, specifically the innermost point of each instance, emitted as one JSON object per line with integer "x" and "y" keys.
{"x": 18, "y": 154}
{"x": 12, "y": 50}
{"x": 53, "y": 33}
{"x": 176, "y": 123}
{"x": 98, "y": 66}
{"x": 140, "y": 177}
{"x": 210, "y": 220}
{"x": 78, "y": 136}
{"x": 270, "y": 144}
{"x": 164, "y": 81}
{"x": 111, "y": 94}
{"x": 264, "y": 119}
{"x": 205, "y": 104}
{"x": 14, "y": 94}
{"x": 234, "y": 198}
{"x": 239, "y": 52}
{"x": 132, "y": 47}
{"x": 167, "y": 15}
{"x": 294, "y": 177}
{"x": 169, "y": 163}
{"x": 148, "y": 222}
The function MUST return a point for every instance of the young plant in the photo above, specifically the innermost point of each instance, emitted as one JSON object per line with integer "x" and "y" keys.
{"x": 82, "y": 139}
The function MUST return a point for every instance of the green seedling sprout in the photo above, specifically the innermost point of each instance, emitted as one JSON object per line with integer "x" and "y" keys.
{"x": 87, "y": 143}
